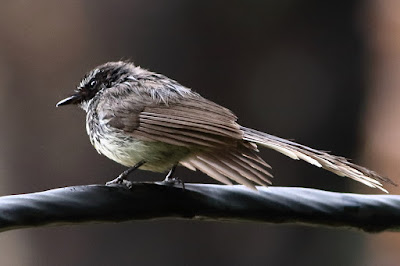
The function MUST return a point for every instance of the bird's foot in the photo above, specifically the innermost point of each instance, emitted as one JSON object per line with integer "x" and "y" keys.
{"x": 120, "y": 180}
{"x": 173, "y": 181}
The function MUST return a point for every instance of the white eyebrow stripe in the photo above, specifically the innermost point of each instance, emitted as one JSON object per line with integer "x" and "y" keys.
{"x": 89, "y": 77}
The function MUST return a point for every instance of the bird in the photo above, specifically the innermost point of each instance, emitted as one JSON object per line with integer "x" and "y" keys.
{"x": 145, "y": 120}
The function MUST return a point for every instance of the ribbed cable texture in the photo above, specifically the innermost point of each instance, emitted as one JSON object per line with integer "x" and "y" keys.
{"x": 99, "y": 203}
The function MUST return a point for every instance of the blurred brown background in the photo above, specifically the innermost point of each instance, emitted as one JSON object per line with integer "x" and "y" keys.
{"x": 325, "y": 73}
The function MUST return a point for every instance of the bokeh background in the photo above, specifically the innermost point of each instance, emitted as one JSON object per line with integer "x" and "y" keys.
{"x": 325, "y": 73}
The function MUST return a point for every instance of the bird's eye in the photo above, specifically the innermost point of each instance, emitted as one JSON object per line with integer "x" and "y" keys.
{"x": 93, "y": 83}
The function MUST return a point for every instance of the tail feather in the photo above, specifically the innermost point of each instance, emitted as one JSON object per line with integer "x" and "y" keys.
{"x": 336, "y": 164}
{"x": 240, "y": 165}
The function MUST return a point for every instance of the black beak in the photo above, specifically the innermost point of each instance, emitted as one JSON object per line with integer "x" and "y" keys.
{"x": 73, "y": 99}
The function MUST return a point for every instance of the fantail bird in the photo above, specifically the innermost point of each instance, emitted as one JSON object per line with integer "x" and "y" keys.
{"x": 145, "y": 120}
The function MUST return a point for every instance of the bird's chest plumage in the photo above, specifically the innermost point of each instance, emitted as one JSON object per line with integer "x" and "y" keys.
{"x": 127, "y": 150}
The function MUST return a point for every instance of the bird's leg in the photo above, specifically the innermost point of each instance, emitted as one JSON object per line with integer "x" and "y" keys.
{"x": 170, "y": 176}
{"x": 170, "y": 179}
{"x": 122, "y": 178}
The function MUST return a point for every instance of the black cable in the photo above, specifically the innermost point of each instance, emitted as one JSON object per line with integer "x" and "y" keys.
{"x": 99, "y": 203}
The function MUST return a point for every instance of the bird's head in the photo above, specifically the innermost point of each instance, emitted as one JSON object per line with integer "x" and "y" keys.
{"x": 102, "y": 77}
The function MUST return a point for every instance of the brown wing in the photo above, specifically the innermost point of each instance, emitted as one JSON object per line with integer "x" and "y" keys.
{"x": 209, "y": 129}
{"x": 184, "y": 121}
{"x": 190, "y": 122}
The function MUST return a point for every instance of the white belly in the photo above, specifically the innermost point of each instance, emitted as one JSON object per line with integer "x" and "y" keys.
{"x": 159, "y": 157}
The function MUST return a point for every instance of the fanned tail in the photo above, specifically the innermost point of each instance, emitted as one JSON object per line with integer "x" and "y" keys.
{"x": 336, "y": 164}
{"x": 240, "y": 164}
